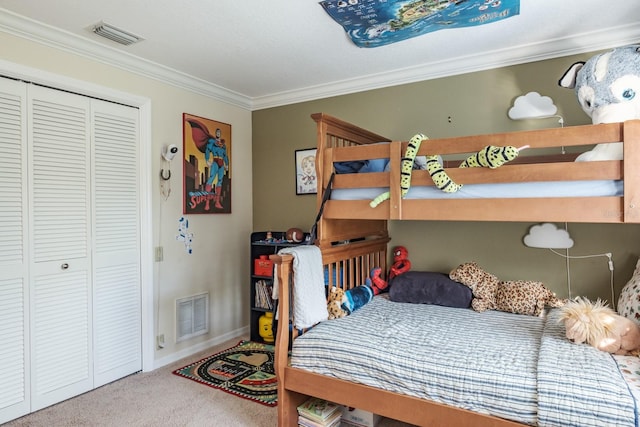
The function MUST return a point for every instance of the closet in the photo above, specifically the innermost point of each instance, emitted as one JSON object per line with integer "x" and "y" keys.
{"x": 70, "y": 287}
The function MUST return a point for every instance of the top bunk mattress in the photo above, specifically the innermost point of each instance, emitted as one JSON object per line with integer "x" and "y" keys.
{"x": 592, "y": 188}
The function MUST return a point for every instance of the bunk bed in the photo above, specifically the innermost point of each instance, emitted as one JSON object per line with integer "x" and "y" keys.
{"x": 541, "y": 165}
{"x": 538, "y": 381}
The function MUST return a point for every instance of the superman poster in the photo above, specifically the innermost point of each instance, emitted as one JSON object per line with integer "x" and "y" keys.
{"x": 373, "y": 23}
{"x": 207, "y": 165}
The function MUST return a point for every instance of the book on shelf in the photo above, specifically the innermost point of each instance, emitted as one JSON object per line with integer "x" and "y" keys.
{"x": 332, "y": 421}
{"x": 320, "y": 412}
{"x": 263, "y": 299}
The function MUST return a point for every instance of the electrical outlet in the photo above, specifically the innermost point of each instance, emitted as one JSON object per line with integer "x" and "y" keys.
{"x": 159, "y": 253}
{"x": 160, "y": 339}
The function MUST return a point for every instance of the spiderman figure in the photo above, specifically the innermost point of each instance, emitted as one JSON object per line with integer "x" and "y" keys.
{"x": 401, "y": 264}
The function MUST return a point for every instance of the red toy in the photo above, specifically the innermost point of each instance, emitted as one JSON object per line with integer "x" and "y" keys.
{"x": 377, "y": 283}
{"x": 401, "y": 263}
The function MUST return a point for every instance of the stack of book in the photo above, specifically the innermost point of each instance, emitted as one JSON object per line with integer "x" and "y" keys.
{"x": 319, "y": 413}
{"x": 264, "y": 288}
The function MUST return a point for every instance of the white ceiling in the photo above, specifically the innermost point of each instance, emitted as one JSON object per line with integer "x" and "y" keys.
{"x": 263, "y": 53}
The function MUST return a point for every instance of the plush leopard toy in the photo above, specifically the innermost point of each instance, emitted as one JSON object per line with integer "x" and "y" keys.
{"x": 489, "y": 293}
{"x": 334, "y": 303}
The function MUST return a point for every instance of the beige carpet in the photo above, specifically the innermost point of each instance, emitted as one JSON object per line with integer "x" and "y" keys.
{"x": 159, "y": 398}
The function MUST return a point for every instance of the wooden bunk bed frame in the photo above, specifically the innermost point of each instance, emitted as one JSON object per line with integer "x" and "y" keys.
{"x": 354, "y": 234}
{"x": 339, "y": 141}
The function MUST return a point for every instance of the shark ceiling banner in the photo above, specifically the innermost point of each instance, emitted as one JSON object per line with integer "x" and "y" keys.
{"x": 373, "y": 23}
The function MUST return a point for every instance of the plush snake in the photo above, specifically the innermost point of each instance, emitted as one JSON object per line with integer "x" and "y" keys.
{"x": 405, "y": 171}
{"x": 490, "y": 156}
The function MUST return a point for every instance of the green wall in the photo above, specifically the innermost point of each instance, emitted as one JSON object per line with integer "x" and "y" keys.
{"x": 477, "y": 103}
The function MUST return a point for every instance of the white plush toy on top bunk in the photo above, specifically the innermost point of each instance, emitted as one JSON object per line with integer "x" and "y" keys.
{"x": 608, "y": 89}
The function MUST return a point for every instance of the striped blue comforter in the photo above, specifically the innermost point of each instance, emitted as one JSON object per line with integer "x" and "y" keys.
{"x": 511, "y": 366}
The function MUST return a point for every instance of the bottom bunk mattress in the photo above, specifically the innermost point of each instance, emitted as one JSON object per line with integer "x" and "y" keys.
{"x": 516, "y": 367}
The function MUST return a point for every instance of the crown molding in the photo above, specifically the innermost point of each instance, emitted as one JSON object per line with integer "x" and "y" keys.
{"x": 522, "y": 54}
{"x": 38, "y": 32}
{"x": 576, "y": 44}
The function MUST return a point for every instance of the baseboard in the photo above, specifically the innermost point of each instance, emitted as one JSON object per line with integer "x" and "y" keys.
{"x": 190, "y": 351}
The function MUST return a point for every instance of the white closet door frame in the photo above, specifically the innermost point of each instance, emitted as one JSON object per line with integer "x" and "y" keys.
{"x": 143, "y": 104}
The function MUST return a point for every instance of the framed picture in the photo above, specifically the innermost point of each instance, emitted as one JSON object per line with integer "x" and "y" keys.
{"x": 207, "y": 165}
{"x": 306, "y": 180}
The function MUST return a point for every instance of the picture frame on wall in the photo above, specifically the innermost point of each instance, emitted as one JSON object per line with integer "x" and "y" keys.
{"x": 306, "y": 179}
{"x": 207, "y": 165}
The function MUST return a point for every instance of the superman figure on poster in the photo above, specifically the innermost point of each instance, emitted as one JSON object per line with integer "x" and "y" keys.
{"x": 216, "y": 157}
{"x": 207, "y": 190}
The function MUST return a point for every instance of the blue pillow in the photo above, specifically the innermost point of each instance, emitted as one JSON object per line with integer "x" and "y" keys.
{"x": 349, "y": 167}
{"x": 374, "y": 165}
{"x": 361, "y": 166}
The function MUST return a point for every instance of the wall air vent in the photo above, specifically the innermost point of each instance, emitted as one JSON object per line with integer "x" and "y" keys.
{"x": 192, "y": 316}
{"x": 115, "y": 34}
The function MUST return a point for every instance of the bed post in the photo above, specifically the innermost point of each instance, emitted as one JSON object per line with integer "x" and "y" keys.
{"x": 288, "y": 401}
{"x": 631, "y": 146}
{"x": 331, "y": 133}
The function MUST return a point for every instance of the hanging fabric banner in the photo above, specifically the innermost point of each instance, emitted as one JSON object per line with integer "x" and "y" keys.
{"x": 373, "y": 23}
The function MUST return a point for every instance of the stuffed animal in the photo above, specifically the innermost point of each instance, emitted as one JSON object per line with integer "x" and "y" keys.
{"x": 401, "y": 264}
{"x": 334, "y": 303}
{"x": 406, "y": 167}
{"x": 608, "y": 89}
{"x": 490, "y": 156}
{"x": 599, "y": 326}
{"x": 375, "y": 282}
{"x": 341, "y": 303}
{"x": 355, "y": 298}
{"x": 489, "y": 293}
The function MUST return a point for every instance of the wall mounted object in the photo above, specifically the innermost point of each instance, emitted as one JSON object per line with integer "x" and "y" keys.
{"x": 306, "y": 180}
{"x": 207, "y": 165}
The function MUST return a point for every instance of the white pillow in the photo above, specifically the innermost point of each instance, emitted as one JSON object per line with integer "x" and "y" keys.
{"x": 629, "y": 300}
{"x": 610, "y": 151}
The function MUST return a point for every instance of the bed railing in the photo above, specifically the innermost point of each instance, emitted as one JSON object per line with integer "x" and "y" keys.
{"x": 335, "y": 133}
{"x": 346, "y": 266}
{"x": 534, "y": 165}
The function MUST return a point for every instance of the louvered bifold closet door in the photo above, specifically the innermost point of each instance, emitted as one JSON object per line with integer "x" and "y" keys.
{"x": 117, "y": 291}
{"x": 14, "y": 343}
{"x": 60, "y": 197}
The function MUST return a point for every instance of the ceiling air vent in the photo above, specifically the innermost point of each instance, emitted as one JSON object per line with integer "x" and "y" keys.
{"x": 116, "y": 34}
